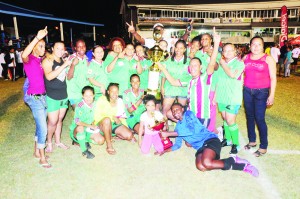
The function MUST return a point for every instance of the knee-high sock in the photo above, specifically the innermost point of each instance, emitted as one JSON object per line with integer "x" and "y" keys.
{"x": 227, "y": 132}
{"x": 234, "y": 131}
{"x": 81, "y": 140}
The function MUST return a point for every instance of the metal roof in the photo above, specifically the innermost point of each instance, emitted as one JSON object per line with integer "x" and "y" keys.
{"x": 19, "y": 11}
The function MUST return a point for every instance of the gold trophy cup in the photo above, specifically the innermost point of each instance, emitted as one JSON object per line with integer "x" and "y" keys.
{"x": 155, "y": 54}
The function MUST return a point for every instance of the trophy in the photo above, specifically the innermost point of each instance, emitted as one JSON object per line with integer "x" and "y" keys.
{"x": 158, "y": 126}
{"x": 155, "y": 54}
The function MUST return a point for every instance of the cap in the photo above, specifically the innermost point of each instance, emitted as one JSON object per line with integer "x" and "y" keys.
{"x": 158, "y": 24}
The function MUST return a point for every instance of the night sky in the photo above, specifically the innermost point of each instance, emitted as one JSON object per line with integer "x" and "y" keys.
{"x": 104, "y": 12}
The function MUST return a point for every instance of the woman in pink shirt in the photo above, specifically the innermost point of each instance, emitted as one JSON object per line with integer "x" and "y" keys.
{"x": 35, "y": 95}
{"x": 258, "y": 93}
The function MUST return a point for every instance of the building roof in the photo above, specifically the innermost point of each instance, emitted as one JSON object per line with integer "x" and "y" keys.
{"x": 216, "y": 5}
{"x": 19, "y": 11}
{"x": 188, "y": 2}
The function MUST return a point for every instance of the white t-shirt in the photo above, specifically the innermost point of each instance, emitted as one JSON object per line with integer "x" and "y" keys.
{"x": 2, "y": 61}
{"x": 275, "y": 52}
{"x": 13, "y": 63}
{"x": 149, "y": 43}
{"x": 296, "y": 52}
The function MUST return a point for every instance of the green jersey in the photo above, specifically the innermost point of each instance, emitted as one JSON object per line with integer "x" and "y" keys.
{"x": 97, "y": 72}
{"x": 229, "y": 90}
{"x": 79, "y": 80}
{"x": 205, "y": 59}
{"x": 178, "y": 70}
{"x": 83, "y": 113}
{"x": 144, "y": 76}
{"x": 121, "y": 73}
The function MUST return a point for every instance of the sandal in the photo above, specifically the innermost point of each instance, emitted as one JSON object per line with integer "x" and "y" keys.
{"x": 62, "y": 146}
{"x": 259, "y": 153}
{"x": 49, "y": 148}
{"x": 111, "y": 151}
{"x": 46, "y": 165}
{"x": 249, "y": 146}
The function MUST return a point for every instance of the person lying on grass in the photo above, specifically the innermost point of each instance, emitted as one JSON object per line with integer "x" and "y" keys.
{"x": 82, "y": 129}
{"x": 207, "y": 144}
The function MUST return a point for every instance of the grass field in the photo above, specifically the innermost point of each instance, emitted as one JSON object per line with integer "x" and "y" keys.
{"x": 129, "y": 174}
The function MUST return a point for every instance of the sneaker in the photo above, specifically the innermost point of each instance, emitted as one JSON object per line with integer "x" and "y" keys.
{"x": 234, "y": 149}
{"x": 88, "y": 154}
{"x": 249, "y": 168}
{"x": 87, "y": 145}
{"x": 240, "y": 160}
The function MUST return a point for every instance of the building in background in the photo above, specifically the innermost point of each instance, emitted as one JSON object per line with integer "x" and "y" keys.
{"x": 231, "y": 18}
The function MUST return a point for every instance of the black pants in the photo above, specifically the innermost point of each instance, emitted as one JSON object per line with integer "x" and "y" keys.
{"x": 4, "y": 71}
{"x": 19, "y": 70}
{"x": 13, "y": 73}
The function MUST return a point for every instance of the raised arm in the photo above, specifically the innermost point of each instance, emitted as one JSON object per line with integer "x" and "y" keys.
{"x": 111, "y": 66}
{"x": 138, "y": 37}
{"x": 172, "y": 80}
{"x": 40, "y": 35}
{"x": 213, "y": 58}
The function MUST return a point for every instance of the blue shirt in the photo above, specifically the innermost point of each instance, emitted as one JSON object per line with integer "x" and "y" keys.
{"x": 192, "y": 131}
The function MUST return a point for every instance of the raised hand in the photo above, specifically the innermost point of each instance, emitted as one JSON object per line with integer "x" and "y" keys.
{"x": 216, "y": 36}
{"x": 121, "y": 54}
{"x": 131, "y": 28}
{"x": 42, "y": 33}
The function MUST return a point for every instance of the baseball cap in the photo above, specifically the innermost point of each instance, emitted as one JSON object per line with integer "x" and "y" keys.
{"x": 158, "y": 24}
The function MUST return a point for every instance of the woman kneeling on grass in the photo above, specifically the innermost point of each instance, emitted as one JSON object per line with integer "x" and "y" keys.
{"x": 110, "y": 111}
{"x": 83, "y": 130}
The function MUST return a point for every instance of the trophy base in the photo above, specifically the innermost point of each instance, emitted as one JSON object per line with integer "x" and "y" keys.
{"x": 156, "y": 93}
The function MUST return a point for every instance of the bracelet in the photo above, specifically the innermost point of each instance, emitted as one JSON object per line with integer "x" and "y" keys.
{"x": 133, "y": 107}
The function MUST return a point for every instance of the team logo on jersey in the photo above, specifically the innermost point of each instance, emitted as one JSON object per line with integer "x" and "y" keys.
{"x": 121, "y": 63}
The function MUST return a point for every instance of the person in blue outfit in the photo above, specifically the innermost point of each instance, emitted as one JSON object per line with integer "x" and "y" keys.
{"x": 207, "y": 144}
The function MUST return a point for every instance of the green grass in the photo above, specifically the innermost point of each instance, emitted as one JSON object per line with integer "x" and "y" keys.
{"x": 129, "y": 174}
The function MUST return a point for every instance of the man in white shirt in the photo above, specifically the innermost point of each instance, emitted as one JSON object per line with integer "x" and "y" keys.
{"x": 19, "y": 63}
{"x": 295, "y": 56}
{"x": 150, "y": 42}
{"x": 275, "y": 52}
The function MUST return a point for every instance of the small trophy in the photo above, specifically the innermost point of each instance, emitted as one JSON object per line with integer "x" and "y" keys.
{"x": 159, "y": 125}
{"x": 155, "y": 54}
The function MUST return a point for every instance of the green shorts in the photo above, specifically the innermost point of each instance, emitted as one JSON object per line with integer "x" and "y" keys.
{"x": 74, "y": 101}
{"x": 114, "y": 126}
{"x": 133, "y": 120}
{"x": 54, "y": 105}
{"x": 233, "y": 109}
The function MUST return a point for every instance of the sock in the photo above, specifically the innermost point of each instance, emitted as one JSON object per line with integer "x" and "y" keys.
{"x": 228, "y": 162}
{"x": 239, "y": 167}
{"x": 227, "y": 133}
{"x": 234, "y": 132}
{"x": 81, "y": 140}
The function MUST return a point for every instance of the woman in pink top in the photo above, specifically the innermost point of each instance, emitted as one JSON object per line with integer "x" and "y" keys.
{"x": 34, "y": 96}
{"x": 259, "y": 91}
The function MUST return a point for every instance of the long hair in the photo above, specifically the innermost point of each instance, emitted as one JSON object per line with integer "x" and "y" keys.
{"x": 185, "y": 53}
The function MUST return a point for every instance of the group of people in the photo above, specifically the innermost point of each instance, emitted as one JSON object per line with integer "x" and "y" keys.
{"x": 109, "y": 96}
{"x": 11, "y": 63}
{"x": 285, "y": 56}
